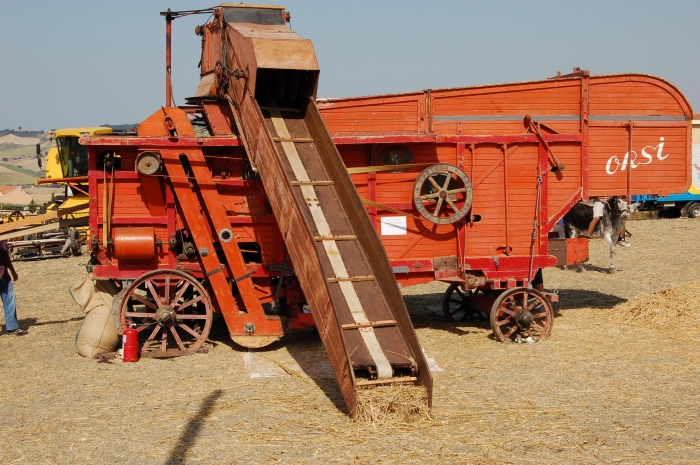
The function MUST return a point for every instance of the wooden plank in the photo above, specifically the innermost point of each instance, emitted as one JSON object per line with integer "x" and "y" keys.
{"x": 351, "y": 279}
{"x": 32, "y": 220}
{"x": 335, "y": 238}
{"x": 312, "y": 183}
{"x": 45, "y": 227}
{"x": 293, "y": 139}
{"x": 375, "y": 382}
{"x": 374, "y": 324}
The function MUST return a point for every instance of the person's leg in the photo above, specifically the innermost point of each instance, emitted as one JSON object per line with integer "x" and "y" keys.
{"x": 598, "y": 209}
{"x": 7, "y": 293}
{"x": 592, "y": 225}
{"x": 621, "y": 238}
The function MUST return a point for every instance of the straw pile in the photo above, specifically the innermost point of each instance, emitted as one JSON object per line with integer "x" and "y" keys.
{"x": 670, "y": 308}
{"x": 392, "y": 404}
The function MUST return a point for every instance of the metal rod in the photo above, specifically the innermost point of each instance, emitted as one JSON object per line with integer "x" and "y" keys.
{"x": 505, "y": 194}
{"x": 168, "y": 59}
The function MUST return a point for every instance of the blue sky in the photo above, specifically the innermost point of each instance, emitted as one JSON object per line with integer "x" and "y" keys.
{"x": 79, "y": 63}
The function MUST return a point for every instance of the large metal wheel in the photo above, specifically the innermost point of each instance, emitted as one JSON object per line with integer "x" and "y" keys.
{"x": 443, "y": 194}
{"x": 521, "y": 315}
{"x": 170, "y": 310}
{"x": 694, "y": 210}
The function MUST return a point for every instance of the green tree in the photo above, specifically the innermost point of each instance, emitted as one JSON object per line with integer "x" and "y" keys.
{"x": 32, "y": 206}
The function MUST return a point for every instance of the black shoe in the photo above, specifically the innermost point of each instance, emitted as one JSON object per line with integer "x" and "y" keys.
{"x": 18, "y": 332}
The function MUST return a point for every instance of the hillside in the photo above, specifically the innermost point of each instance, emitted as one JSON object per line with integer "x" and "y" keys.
{"x": 18, "y": 164}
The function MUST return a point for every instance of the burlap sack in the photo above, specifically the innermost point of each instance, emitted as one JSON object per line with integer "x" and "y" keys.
{"x": 98, "y": 333}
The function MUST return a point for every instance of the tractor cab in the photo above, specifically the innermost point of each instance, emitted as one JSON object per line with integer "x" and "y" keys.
{"x": 69, "y": 159}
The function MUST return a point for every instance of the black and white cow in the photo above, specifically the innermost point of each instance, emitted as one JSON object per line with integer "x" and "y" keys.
{"x": 576, "y": 223}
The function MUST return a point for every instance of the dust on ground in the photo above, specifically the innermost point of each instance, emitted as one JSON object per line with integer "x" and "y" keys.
{"x": 595, "y": 392}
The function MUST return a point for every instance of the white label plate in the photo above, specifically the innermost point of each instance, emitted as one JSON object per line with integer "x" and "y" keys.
{"x": 393, "y": 225}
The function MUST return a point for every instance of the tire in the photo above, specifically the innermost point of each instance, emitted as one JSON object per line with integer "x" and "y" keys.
{"x": 694, "y": 210}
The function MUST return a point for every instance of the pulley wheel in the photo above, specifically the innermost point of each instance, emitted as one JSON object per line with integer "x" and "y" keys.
{"x": 148, "y": 163}
{"x": 170, "y": 310}
{"x": 521, "y": 315}
{"x": 443, "y": 194}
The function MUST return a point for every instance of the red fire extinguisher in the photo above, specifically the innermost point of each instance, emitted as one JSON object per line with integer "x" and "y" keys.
{"x": 130, "y": 345}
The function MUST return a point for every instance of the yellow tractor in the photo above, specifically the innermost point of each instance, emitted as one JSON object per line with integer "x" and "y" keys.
{"x": 67, "y": 165}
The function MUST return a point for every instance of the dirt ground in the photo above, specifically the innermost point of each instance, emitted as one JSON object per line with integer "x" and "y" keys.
{"x": 595, "y": 392}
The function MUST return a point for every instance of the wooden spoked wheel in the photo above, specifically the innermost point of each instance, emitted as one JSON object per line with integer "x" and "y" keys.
{"x": 443, "y": 194}
{"x": 170, "y": 310}
{"x": 455, "y": 304}
{"x": 521, "y": 315}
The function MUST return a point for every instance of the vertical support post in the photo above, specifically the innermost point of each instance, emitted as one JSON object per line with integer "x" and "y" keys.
{"x": 460, "y": 155}
{"x": 630, "y": 126}
{"x": 504, "y": 147}
{"x": 472, "y": 149}
{"x": 585, "y": 102}
{"x": 170, "y": 215}
{"x": 429, "y": 108}
{"x": 168, "y": 59}
{"x": 372, "y": 185}
{"x": 543, "y": 214}
{"x": 459, "y": 227}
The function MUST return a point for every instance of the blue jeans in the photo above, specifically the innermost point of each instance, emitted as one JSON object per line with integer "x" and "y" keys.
{"x": 7, "y": 293}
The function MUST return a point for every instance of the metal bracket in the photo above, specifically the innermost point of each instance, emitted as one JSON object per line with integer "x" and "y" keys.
{"x": 558, "y": 166}
{"x": 209, "y": 273}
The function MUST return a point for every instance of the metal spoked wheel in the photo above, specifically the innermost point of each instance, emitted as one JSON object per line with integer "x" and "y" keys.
{"x": 170, "y": 310}
{"x": 521, "y": 315}
{"x": 443, "y": 194}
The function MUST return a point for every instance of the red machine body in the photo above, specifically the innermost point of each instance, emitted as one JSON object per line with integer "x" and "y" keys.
{"x": 240, "y": 203}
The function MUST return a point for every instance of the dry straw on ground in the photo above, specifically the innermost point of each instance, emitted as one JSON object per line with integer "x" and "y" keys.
{"x": 392, "y": 404}
{"x": 670, "y": 309}
{"x": 597, "y": 391}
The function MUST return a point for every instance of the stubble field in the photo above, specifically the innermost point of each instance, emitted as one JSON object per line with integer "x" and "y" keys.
{"x": 595, "y": 392}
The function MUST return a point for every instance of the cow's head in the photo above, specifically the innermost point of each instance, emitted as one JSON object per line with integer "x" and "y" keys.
{"x": 619, "y": 206}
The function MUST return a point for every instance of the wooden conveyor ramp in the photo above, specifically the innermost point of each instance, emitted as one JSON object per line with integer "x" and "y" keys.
{"x": 338, "y": 258}
{"x": 340, "y": 263}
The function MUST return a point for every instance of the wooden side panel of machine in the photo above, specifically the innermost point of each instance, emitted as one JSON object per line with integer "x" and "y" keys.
{"x": 652, "y": 118}
{"x": 579, "y": 121}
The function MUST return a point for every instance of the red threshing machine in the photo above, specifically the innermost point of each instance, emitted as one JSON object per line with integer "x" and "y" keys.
{"x": 239, "y": 202}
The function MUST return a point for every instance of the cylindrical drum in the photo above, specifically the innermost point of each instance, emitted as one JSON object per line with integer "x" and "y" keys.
{"x": 137, "y": 243}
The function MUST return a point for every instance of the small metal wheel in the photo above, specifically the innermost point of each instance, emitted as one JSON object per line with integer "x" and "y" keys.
{"x": 521, "y": 315}
{"x": 443, "y": 194}
{"x": 694, "y": 210}
{"x": 455, "y": 304}
{"x": 170, "y": 310}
